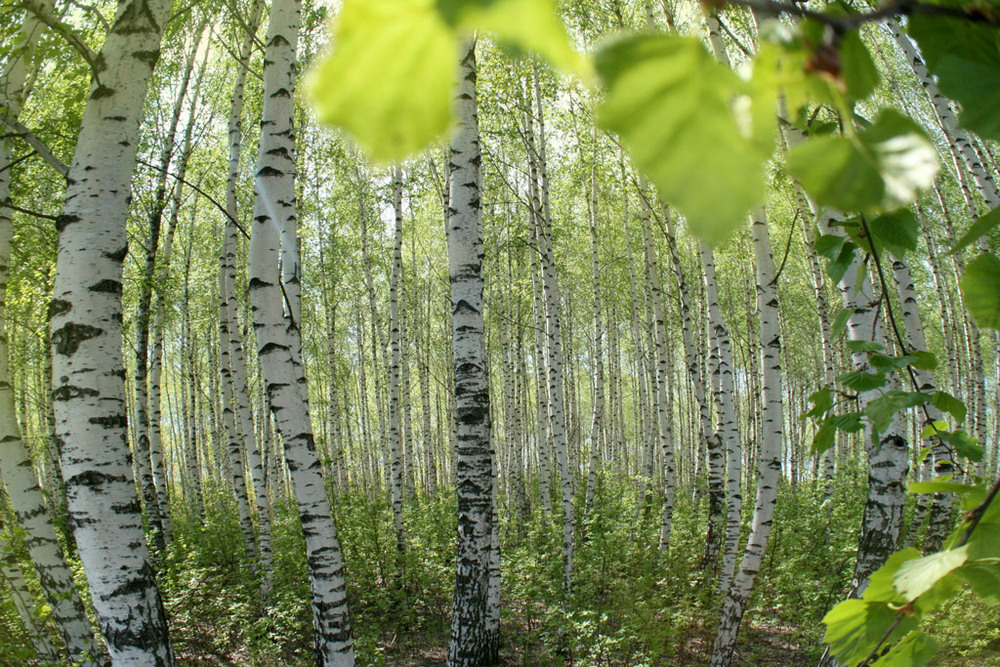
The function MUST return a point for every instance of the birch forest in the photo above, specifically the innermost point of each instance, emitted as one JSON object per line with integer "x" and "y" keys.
{"x": 499, "y": 332}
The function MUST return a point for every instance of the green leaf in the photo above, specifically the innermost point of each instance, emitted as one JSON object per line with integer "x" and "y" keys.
{"x": 881, "y": 410}
{"x": 880, "y": 586}
{"x": 897, "y": 231}
{"x": 981, "y": 287}
{"x": 980, "y": 227}
{"x": 945, "y": 402}
{"x": 984, "y": 578}
{"x": 884, "y": 362}
{"x": 840, "y": 322}
{"x": 881, "y": 168}
{"x": 389, "y": 79}
{"x": 864, "y": 346}
{"x": 857, "y": 68}
{"x": 855, "y": 627}
{"x": 824, "y": 437}
{"x": 965, "y": 56}
{"x": 938, "y": 486}
{"x": 860, "y": 381}
{"x": 964, "y": 445}
{"x": 821, "y": 401}
{"x": 829, "y": 245}
{"x": 984, "y": 543}
{"x": 836, "y": 173}
{"x": 673, "y": 106}
{"x": 849, "y": 422}
{"x": 925, "y": 361}
{"x": 916, "y": 577}
{"x": 933, "y": 429}
{"x": 838, "y": 267}
{"x": 915, "y": 650}
{"x": 525, "y": 25}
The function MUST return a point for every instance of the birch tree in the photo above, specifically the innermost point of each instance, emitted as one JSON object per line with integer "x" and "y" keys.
{"x": 273, "y": 278}
{"x": 86, "y": 318}
{"x": 472, "y": 642}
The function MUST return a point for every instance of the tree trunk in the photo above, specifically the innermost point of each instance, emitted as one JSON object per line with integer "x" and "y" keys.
{"x": 86, "y": 313}
{"x": 769, "y": 457}
{"x": 274, "y": 297}
{"x": 473, "y": 643}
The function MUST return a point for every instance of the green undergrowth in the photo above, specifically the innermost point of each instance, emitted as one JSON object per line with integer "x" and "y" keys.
{"x": 629, "y": 604}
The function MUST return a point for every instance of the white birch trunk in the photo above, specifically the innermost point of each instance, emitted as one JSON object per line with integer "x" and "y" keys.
{"x": 274, "y": 299}
{"x": 663, "y": 416}
{"x": 941, "y": 455}
{"x": 17, "y": 474}
{"x": 728, "y": 431}
{"x": 553, "y": 328}
{"x": 86, "y": 316}
{"x": 395, "y": 353}
{"x": 597, "y": 416}
{"x": 236, "y": 409}
{"x": 769, "y": 455}
{"x": 472, "y": 643}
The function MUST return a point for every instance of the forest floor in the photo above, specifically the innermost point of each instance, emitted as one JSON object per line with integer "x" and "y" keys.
{"x": 758, "y": 646}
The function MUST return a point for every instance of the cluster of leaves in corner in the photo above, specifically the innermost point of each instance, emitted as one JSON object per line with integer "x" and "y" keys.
{"x": 882, "y": 628}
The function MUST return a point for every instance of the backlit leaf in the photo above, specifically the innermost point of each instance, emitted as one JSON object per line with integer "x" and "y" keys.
{"x": 880, "y": 169}
{"x": 916, "y": 577}
{"x": 389, "y": 78}
{"x": 981, "y": 288}
{"x": 914, "y": 650}
{"x": 673, "y": 105}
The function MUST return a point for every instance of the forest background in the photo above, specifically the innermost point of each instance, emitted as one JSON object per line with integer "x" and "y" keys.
{"x": 280, "y": 350}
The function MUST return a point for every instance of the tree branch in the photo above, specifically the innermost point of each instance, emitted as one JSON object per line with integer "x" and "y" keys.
{"x": 72, "y": 38}
{"x": 37, "y": 145}
{"x": 843, "y": 24}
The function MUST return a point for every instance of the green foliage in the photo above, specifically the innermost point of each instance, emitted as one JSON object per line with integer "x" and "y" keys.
{"x": 965, "y": 56}
{"x": 881, "y": 168}
{"x": 981, "y": 287}
{"x": 389, "y": 79}
{"x": 673, "y": 105}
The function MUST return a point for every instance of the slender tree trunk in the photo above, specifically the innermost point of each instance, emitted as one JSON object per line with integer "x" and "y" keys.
{"x": 769, "y": 457}
{"x": 597, "y": 416}
{"x": 728, "y": 432}
{"x": 236, "y": 411}
{"x": 473, "y": 642}
{"x": 395, "y": 424}
{"x": 274, "y": 298}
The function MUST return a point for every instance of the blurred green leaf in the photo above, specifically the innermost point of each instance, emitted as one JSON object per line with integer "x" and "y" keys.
{"x": 673, "y": 105}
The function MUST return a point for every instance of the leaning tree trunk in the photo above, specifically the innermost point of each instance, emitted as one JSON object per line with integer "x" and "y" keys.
{"x": 86, "y": 312}
{"x": 472, "y": 641}
{"x": 769, "y": 453}
{"x": 17, "y": 474}
{"x": 941, "y": 454}
{"x": 273, "y": 295}
{"x": 144, "y": 467}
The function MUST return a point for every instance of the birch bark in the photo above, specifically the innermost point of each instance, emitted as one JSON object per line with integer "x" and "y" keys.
{"x": 17, "y": 474}
{"x": 86, "y": 317}
{"x": 472, "y": 641}
{"x": 274, "y": 274}
{"x": 769, "y": 456}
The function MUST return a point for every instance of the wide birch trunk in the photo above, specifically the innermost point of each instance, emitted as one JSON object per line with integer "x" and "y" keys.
{"x": 86, "y": 320}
